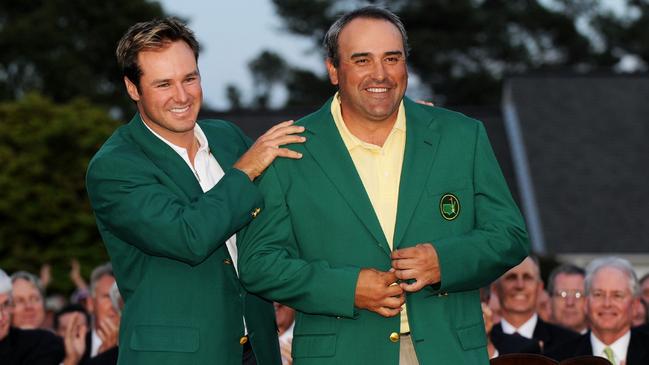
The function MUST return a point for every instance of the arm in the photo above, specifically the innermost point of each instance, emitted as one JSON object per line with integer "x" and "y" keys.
{"x": 474, "y": 259}
{"x": 131, "y": 201}
{"x": 269, "y": 265}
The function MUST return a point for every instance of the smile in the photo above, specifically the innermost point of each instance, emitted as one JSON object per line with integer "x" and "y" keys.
{"x": 179, "y": 110}
{"x": 377, "y": 89}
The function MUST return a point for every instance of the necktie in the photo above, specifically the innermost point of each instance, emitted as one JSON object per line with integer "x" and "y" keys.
{"x": 609, "y": 355}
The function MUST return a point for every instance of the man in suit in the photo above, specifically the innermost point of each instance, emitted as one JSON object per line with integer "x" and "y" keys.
{"x": 518, "y": 291}
{"x": 388, "y": 191}
{"x": 612, "y": 290}
{"x": 24, "y": 346}
{"x": 169, "y": 195}
{"x": 568, "y": 302}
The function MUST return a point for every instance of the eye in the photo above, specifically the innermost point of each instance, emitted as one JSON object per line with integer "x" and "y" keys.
{"x": 362, "y": 61}
{"x": 392, "y": 60}
{"x": 162, "y": 85}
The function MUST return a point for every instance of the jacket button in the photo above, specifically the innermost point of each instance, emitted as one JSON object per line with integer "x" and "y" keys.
{"x": 243, "y": 340}
{"x": 255, "y": 212}
{"x": 394, "y": 337}
{"x": 227, "y": 262}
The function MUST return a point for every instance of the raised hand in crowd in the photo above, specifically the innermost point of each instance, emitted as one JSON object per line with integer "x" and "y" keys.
{"x": 75, "y": 339}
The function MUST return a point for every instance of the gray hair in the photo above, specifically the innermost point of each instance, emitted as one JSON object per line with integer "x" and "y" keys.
{"x": 616, "y": 263}
{"x": 330, "y": 41}
{"x": 98, "y": 273}
{"x": 31, "y": 278}
{"x": 115, "y": 298}
{"x": 5, "y": 283}
{"x": 567, "y": 269}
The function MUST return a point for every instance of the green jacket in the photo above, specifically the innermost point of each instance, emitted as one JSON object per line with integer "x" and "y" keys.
{"x": 319, "y": 228}
{"x": 183, "y": 303}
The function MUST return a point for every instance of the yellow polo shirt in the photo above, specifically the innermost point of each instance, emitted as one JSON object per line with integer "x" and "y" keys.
{"x": 380, "y": 170}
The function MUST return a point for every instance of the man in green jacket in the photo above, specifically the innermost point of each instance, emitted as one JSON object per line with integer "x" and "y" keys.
{"x": 388, "y": 191}
{"x": 170, "y": 195}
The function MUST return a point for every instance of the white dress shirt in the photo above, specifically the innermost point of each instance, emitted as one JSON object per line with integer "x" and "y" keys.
{"x": 619, "y": 347}
{"x": 526, "y": 329}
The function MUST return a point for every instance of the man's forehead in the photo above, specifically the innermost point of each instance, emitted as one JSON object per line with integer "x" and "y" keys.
{"x": 368, "y": 32}
{"x": 610, "y": 278}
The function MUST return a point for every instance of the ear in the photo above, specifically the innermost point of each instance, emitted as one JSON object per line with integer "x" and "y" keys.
{"x": 332, "y": 71}
{"x": 131, "y": 89}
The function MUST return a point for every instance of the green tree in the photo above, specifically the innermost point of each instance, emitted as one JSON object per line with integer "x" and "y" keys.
{"x": 66, "y": 48}
{"x": 462, "y": 49}
{"x": 267, "y": 70}
{"x": 44, "y": 210}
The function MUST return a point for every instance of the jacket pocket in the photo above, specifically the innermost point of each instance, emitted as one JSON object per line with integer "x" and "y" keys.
{"x": 472, "y": 337}
{"x": 314, "y": 345}
{"x": 165, "y": 338}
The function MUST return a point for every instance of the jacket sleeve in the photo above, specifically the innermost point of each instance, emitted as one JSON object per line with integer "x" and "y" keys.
{"x": 499, "y": 240}
{"x": 133, "y": 201}
{"x": 269, "y": 265}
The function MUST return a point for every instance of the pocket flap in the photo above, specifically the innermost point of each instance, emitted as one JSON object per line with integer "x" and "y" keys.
{"x": 314, "y": 346}
{"x": 165, "y": 338}
{"x": 472, "y": 337}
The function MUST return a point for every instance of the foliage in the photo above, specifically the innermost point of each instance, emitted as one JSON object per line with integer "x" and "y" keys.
{"x": 267, "y": 69}
{"x": 44, "y": 210}
{"x": 462, "y": 49}
{"x": 66, "y": 48}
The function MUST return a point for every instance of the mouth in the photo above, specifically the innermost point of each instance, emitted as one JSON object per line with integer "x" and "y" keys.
{"x": 377, "y": 90}
{"x": 180, "y": 110}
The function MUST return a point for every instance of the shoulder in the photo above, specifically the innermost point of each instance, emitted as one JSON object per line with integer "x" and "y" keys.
{"x": 576, "y": 346}
{"x": 37, "y": 341}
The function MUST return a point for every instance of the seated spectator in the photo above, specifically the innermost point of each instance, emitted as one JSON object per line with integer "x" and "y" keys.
{"x": 28, "y": 299}
{"x": 640, "y": 313}
{"x": 611, "y": 293}
{"x": 105, "y": 318}
{"x": 518, "y": 291}
{"x": 24, "y": 347}
{"x": 63, "y": 318}
{"x": 568, "y": 303}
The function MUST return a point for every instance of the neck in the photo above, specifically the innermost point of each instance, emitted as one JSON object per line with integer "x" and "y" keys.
{"x": 608, "y": 337}
{"x": 517, "y": 319}
{"x": 369, "y": 131}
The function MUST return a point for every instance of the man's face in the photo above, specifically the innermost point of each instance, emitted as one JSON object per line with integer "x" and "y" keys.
{"x": 610, "y": 303}
{"x": 644, "y": 289}
{"x": 371, "y": 75}
{"x": 29, "y": 309}
{"x": 66, "y": 319}
{"x": 519, "y": 288}
{"x": 5, "y": 315}
{"x": 102, "y": 307}
{"x": 170, "y": 93}
{"x": 568, "y": 301}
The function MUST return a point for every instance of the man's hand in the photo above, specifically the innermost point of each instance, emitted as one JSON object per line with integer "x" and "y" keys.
{"x": 75, "y": 340}
{"x": 266, "y": 148}
{"x": 108, "y": 331}
{"x": 419, "y": 263}
{"x": 375, "y": 291}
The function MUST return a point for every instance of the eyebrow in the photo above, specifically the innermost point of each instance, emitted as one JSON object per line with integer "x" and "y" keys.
{"x": 365, "y": 54}
{"x": 193, "y": 73}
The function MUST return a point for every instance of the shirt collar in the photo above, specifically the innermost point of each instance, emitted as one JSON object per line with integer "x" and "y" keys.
{"x": 525, "y": 330}
{"x": 619, "y": 347}
{"x": 198, "y": 133}
{"x": 351, "y": 141}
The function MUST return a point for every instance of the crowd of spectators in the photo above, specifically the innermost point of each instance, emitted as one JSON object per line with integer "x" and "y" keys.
{"x": 600, "y": 310}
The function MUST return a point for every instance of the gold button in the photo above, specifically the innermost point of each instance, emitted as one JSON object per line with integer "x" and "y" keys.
{"x": 255, "y": 212}
{"x": 243, "y": 340}
{"x": 394, "y": 337}
{"x": 227, "y": 262}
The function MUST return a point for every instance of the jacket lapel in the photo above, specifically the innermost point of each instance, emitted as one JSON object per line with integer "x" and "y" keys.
{"x": 422, "y": 139}
{"x": 164, "y": 158}
{"x": 330, "y": 153}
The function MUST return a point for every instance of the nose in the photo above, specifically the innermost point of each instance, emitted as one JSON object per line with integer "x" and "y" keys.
{"x": 378, "y": 71}
{"x": 181, "y": 95}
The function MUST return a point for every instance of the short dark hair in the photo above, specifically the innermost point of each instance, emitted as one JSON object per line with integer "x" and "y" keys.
{"x": 154, "y": 34}
{"x": 567, "y": 269}
{"x": 330, "y": 41}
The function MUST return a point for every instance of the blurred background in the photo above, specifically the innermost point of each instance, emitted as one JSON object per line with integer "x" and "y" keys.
{"x": 562, "y": 87}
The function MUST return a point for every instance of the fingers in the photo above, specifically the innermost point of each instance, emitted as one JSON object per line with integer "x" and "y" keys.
{"x": 280, "y": 125}
{"x": 285, "y": 152}
{"x": 412, "y": 287}
{"x": 388, "y": 312}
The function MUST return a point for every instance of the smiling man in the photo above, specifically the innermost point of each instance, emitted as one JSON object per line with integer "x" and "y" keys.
{"x": 170, "y": 194}
{"x": 518, "y": 291}
{"x": 612, "y": 291}
{"x": 392, "y": 202}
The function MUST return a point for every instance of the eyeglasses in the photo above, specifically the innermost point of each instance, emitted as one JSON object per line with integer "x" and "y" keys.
{"x": 33, "y": 300}
{"x": 565, "y": 294}
{"x": 5, "y": 307}
{"x": 615, "y": 296}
